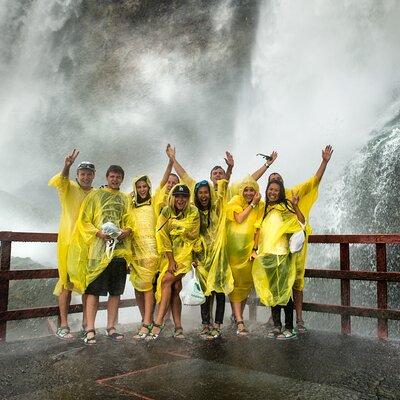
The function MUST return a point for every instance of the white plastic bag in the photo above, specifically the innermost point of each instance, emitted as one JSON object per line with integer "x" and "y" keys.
{"x": 191, "y": 293}
{"x": 296, "y": 241}
{"x": 113, "y": 231}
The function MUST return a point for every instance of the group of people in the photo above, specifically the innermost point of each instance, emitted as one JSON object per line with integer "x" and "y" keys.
{"x": 235, "y": 240}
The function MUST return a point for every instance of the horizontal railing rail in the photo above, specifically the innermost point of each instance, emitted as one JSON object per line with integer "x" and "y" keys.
{"x": 344, "y": 274}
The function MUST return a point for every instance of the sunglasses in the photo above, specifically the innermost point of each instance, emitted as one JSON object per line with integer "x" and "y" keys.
{"x": 200, "y": 184}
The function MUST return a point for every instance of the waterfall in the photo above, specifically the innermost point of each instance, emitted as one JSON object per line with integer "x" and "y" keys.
{"x": 322, "y": 72}
{"x": 118, "y": 80}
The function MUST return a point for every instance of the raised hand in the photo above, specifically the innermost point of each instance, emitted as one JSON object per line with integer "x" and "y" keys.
{"x": 295, "y": 198}
{"x": 230, "y": 162}
{"x": 272, "y": 158}
{"x": 170, "y": 152}
{"x": 327, "y": 153}
{"x": 70, "y": 158}
{"x": 256, "y": 198}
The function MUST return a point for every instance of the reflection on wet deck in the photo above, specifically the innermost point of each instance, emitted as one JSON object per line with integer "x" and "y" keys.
{"x": 315, "y": 366}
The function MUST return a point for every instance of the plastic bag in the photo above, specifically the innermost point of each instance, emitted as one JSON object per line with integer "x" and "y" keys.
{"x": 113, "y": 231}
{"x": 296, "y": 241}
{"x": 191, "y": 293}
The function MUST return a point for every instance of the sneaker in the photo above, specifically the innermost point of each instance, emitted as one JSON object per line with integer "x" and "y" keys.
{"x": 287, "y": 334}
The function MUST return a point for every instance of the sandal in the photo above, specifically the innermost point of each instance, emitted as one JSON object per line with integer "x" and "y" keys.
{"x": 242, "y": 332}
{"x": 300, "y": 327}
{"x": 142, "y": 335}
{"x": 205, "y": 331}
{"x": 64, "y": 333}
{"x": 272, "y": 334}
{"x": 115, "y": 336}
{"x": 215, "y": 333}
{"x": 92, "y": 340}
{"x": 178, "y": 333}
{"x": 155, "y": 336}
{"x": 286, "y": 335}
{"x": 82, "y": 333}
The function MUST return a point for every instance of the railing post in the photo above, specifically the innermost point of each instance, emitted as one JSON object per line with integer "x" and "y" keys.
{"x": 381, "y": 288}
{"x": 5, "y": 261}
{"x": 345, "y": 286}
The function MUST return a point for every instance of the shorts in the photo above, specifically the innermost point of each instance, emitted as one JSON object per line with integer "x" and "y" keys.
{"x": 111, "y": 281}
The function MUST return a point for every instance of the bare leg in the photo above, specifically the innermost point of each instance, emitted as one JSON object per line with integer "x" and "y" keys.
{"x": 140, "y": 302}
{"x": 148, "y": 306}
{"x": 298, "y": 304}
{"x": 166, "y": 288}
{"x": 92, "y": 304}
{"x": 237, "y": 310}
{"x": 64, "y": 300}
{"x": 176, "y": 304}
{"x": 112, "y": 310}
{"x": 238, "y": 313}
{"x": 84, "y": 322}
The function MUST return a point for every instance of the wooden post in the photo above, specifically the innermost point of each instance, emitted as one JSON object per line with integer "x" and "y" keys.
{"x": 345, "y": 286}
{"x": 5, "y": 261}
{"x": 381, "y": 288}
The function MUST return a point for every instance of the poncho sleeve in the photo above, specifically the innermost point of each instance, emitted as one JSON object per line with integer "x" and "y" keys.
{"x": 234, "y": 206}
{"x": 85, "y": 220}
{"x": 260, "y": 214}
{"x": 164, "y": 243}
{"x": 61, "y": 183}
{"x": 159, "y": 201}
{"x": 189, "y": 181}
{"x": 308, "y": 194}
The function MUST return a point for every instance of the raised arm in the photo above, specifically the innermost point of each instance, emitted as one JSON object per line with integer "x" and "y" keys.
{"x": 261, "y": 171}
{"x": 240, "y": 217}
{"x": 170, "y": 151}
{"x": 69, "y": 160}
{"x": 295, "y": 203}
{"x": 178, "y": 167}
{"x": 230, "y": 162}
{"x": 326, "y": 156}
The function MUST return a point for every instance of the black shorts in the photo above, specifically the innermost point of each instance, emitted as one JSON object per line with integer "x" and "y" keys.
{"x": 111, "y": 281}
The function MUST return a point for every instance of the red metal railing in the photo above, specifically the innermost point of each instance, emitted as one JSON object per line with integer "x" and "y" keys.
{"x": 345, "y": 274}
{"x": 6, "y": 275}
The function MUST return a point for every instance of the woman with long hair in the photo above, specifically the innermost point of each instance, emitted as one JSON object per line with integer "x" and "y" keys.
{"x": 212, "y": 265}
{"x": 274, "y": 268}
{"x": 244, "y": 211}
{"x": 145, "y": 257}
{"x": 177, "y": 236}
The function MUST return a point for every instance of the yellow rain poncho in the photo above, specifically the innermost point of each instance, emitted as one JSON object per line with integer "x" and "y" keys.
{"x": 145, "y": 258}
{"x": 240, "y": 241}
{"x": 71, "y": 196}
{"x": 87, "y": 257}
{"x": 308, "y": 194}
{"x": 212, "y": 262}
{"x": 230, "y": 191}
{"x": 160, "y": 199}
{"x": 274, "y": 270}
{"x": 177, "y": 233}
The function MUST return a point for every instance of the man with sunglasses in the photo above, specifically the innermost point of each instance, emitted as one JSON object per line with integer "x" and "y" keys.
{"x": 71, "y": 195}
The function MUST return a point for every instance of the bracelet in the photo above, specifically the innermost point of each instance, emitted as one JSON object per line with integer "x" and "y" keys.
{"x": 267, "y": 165}
{"x": 252, "y": 205}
